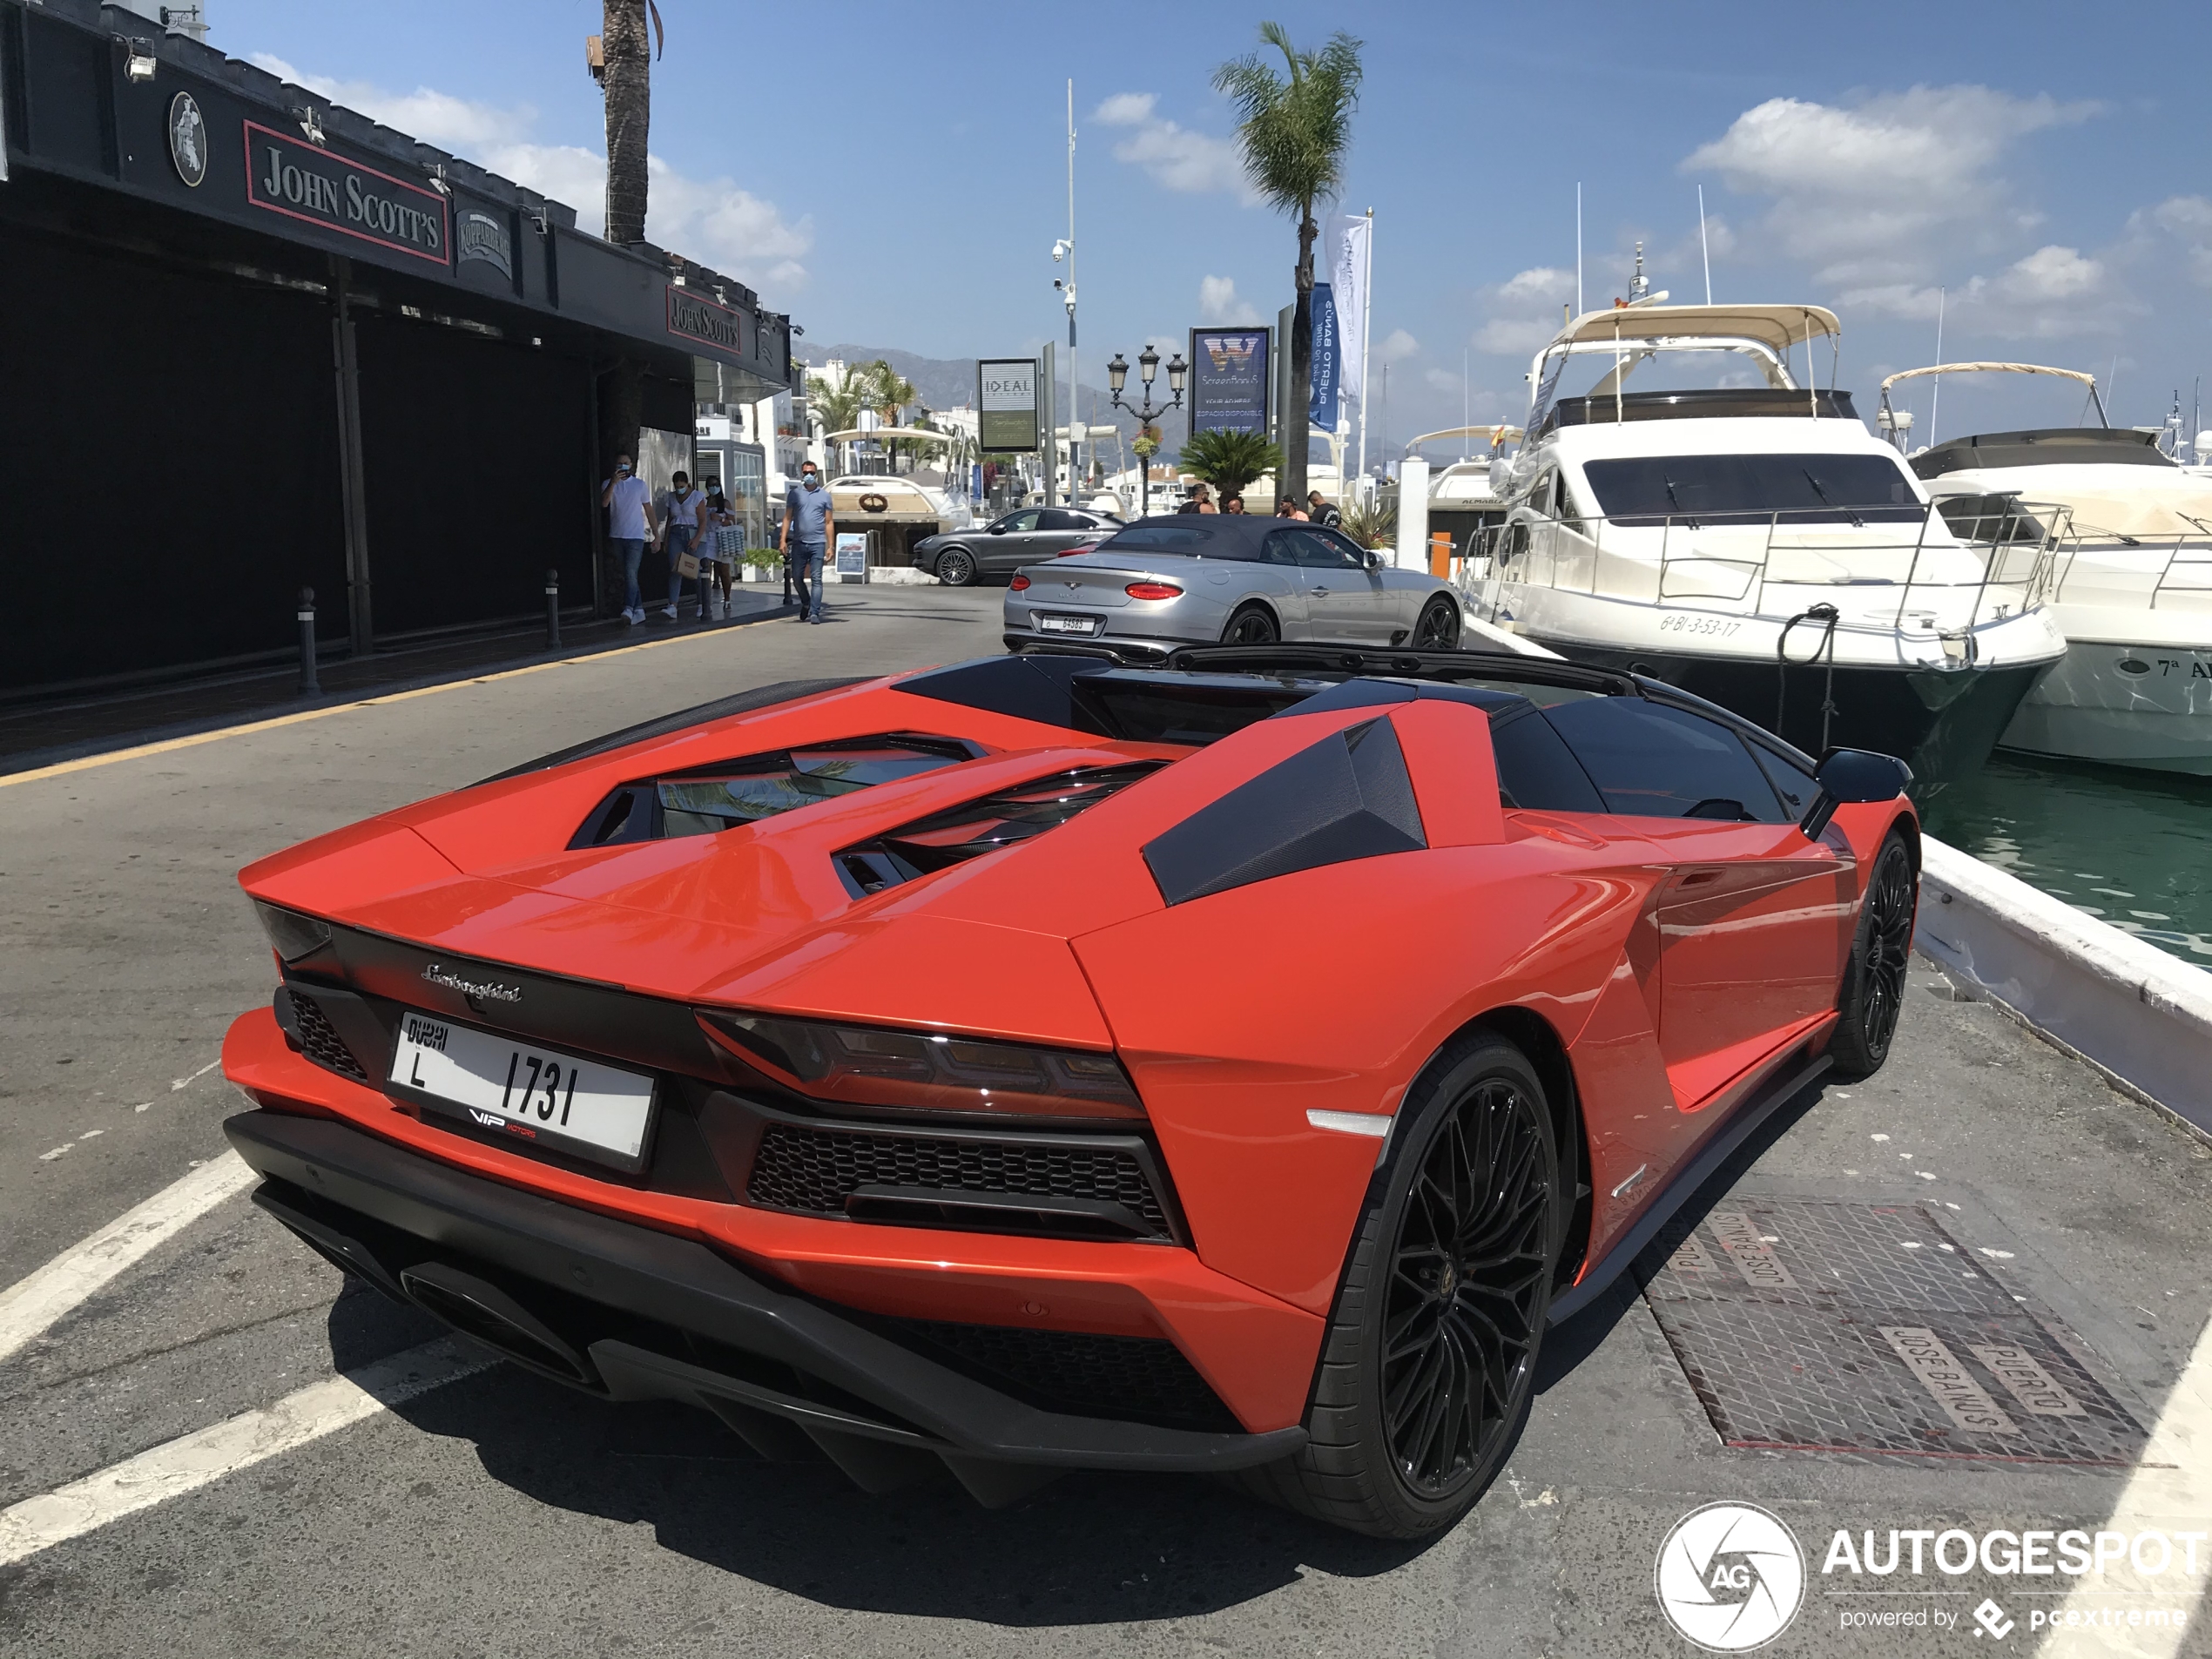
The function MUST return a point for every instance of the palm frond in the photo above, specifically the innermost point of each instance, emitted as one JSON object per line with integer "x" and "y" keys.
{"x": 1294, "y": 132}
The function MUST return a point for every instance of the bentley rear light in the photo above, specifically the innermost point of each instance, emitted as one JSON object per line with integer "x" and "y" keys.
{"x": 1019, "y": 583}
{"x": 927, "y": 1070}
{"x": 1153, "y": 591}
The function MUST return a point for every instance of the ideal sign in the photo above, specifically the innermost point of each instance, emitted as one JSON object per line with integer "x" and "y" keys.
{"x": 302, "y": 182}
{"x": 1006, "y": 404}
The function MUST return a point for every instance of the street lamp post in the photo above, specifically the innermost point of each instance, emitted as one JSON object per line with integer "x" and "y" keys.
{"x": 1148, "y": 365}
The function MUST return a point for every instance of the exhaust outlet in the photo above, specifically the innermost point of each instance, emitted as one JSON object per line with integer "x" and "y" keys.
{"x": 481, "y": 1311}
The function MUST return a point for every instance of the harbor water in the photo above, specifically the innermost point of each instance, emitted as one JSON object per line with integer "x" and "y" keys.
{"x": 2132, "y": 848}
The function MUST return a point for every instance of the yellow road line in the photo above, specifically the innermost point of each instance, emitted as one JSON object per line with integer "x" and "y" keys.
{"x": 85, "y": 763}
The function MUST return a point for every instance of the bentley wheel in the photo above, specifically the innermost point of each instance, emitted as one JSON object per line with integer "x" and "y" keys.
{"x": 956, "y": 567}
{"x": 1251, "y": 625}
{"x": 1873, "y": 992}
{"x": 1430, "y": 1356}
{"x": 1438, "y": 628}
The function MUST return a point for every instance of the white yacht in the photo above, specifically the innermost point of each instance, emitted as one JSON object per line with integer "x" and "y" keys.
{"x": 1757, "y": 545}
{"x": 2131, "y": 581}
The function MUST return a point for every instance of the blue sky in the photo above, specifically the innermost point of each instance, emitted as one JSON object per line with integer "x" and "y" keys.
{"x": 895, "y": 174}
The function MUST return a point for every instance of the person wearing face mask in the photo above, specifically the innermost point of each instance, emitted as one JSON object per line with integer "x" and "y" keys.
{"x": 808, "y": 526}
{"x": 679, "y": 529}
{"x": 629, "y": 526}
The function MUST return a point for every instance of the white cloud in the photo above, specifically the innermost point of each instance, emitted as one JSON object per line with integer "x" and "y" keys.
{"x": 1442, "y": 379}
{"x": 1219, "y": 304}
{"x": 1173, "y": 156}
{"x": 1540, "y": 282}
{"x": 1521, "y": 306}
{"x": 2051, "y": 293}
{"x": 1395, "y": 346}
{"x": 2187, "y": 219}
{"x": 713, "y": 220}
{"x": 1884, "y": 190}
{"x": 1126, "y": 109}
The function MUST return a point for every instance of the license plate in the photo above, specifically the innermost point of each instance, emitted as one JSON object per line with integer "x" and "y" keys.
{"x": 541, "y": 1094}
{"x": 1067, "y": 624}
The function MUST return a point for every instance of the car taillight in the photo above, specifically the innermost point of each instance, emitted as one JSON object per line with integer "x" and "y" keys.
{"x": 1019, "y": 583}
{"x": 1080, "y": 547}
{"x": 294, "y": 937}
{"x": 927, "y": 1070}
{"x": 1153, "y": 591}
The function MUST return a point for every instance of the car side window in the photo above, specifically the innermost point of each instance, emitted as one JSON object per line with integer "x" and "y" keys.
{"x": 1536, "y": 769}
{"x": 1347, "y": 549}
{"x": 1281, "y": 548}
{"x": 1656, "y": 761}
{"x": 1315, "y": 552}
{"x": 1053, "y": 518}
{"x": 1023, "y": 521}
{"x": 1792, "y": 782}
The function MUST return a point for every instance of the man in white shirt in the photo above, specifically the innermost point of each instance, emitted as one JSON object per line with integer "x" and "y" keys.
{"x": 629, "y": 526}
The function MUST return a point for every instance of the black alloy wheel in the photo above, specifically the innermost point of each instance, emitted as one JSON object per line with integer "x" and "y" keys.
{"x": 1429, "y": 1362}
{"x": 1873, "y": 992}
{"x": 1439, "y": 627}
{"x": 956, "y": 567}
{"x": 1253, "y": 624}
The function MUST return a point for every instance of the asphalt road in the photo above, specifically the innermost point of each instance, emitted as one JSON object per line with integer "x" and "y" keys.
{"x": 498, "y": 1514}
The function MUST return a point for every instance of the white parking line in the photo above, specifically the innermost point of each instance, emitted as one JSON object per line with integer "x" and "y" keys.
{"x": 2172, "y": 1498}
{"x": 187, "y": 1464}
{"x": 31, "y": 1306}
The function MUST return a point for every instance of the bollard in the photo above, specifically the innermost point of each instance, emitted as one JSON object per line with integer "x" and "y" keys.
{"x": 309, "y": 686}
{"x": 553, "y": 611}
{"x": 786, "y": 578}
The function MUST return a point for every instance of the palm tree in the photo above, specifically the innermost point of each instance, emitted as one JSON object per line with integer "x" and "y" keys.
{"x": 837, "y": 408}
{"x": 627, "y": 80}
{"x": 1228, "y": 460}
{"x": 1295, "y": 133}
{"x": 888, "y": 392}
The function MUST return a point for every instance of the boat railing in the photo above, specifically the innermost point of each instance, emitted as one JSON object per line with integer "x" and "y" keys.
{"x": 1727, "y": 560}
{"x": 2183, "y": 569}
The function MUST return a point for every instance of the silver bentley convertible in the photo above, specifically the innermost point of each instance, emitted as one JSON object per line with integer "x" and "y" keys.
{"x": 1222, "y": 578}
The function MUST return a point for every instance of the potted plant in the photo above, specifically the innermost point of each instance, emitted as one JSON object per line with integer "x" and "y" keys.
{"x": 761, "y": 563}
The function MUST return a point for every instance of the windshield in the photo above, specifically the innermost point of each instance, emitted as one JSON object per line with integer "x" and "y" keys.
{"x": 1790, "y": 489}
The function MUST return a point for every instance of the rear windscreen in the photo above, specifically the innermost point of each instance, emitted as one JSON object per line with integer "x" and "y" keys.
{"x": 1791, "y": 489}
{"x": 1162, "y": 538}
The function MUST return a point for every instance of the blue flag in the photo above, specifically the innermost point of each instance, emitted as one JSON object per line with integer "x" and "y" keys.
{"x": 1328, "y": 358}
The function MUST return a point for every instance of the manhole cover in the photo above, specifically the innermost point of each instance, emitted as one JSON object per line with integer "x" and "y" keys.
{"x": 1838, "y": 1328}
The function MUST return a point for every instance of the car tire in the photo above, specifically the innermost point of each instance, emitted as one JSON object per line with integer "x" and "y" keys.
{"x": 1253, "y": 625}
{"x": 956, "y": 567}
{"x": 1873, "y": 989}
{"x": 1439, "y": 626}
{"x": 1401, "y": 1445}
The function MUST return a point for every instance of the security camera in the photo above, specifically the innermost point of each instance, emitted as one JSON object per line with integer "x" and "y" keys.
{"x": 1059, "y": 250}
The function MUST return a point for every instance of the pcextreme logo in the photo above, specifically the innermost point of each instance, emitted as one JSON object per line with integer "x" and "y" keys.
{"x": 1731, "y": 1577}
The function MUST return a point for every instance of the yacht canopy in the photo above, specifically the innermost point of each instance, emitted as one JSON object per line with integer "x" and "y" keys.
{"x": 1777, "y": 328}
{"x": 2088, "y": 379}
{"x": 902, "y": 434}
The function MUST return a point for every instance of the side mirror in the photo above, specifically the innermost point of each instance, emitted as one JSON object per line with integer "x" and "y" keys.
{"x": 998, "y": 529}
{"x": 1374, "y": 559}
{"x": 1849, "y": 776}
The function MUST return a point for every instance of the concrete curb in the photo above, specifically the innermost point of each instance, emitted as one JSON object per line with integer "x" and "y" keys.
{"x": 2115, "y": 999}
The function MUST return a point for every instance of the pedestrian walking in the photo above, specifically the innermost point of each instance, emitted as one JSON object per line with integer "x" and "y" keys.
{"x": 808, "y": 525}
{"x": 1323, "y": 512}
{"x": 1197, "y": 501}
{"x": 721, "y": 545}
{"x": 630, "y": 524}
{"x": 679, "y": 506}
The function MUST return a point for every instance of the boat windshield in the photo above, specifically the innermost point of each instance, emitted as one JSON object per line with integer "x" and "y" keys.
{"x": 1786, "y": 488}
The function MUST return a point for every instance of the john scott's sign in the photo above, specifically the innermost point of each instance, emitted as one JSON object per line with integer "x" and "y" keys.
{"x": 302, "y": 182}
{"x": 702, "y": 320}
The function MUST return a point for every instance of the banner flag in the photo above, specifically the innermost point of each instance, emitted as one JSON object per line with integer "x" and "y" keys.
{"x": 1351, "y": 250}
{"x": 1322, "y": 410}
